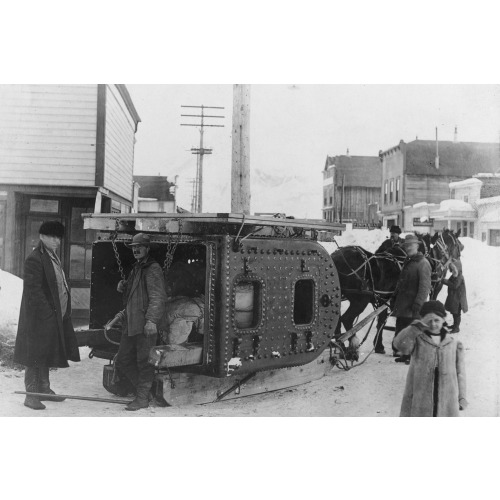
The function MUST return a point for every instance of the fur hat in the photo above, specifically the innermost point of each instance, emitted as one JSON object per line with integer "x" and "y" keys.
{"x": 410, "y": 239}
{"x": 52, "y": 228}
{"x": 140, "y": 239}
{"x": 395, "y": 229}
{"x": 433, "y": 306}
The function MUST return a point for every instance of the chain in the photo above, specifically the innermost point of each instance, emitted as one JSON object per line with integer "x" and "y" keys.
{"x": 115, "y": 250}
{"x": 171, "y": 247}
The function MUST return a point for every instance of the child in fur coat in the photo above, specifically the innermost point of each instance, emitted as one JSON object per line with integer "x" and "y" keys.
{"x": 435, "y": 384}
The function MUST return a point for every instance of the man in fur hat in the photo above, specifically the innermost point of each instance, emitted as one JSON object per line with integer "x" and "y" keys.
{"x": 45, "y": 335}
{"x": 393, "y": 241}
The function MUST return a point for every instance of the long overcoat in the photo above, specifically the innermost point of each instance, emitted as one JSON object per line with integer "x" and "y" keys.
{"x": 414, "y": 286}
{"x": 447, "y": 357}
{"x": 457, "y": 294}
{"x": 43, "y": 337}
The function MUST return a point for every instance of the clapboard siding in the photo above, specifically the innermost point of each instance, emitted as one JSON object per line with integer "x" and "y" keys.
{"x": 48, "y": 134}
{"x": 119, "y": 151}
{"x": 426, "y": 188}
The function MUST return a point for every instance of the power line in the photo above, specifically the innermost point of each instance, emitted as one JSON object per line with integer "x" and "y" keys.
{"x": 197, "y": 200}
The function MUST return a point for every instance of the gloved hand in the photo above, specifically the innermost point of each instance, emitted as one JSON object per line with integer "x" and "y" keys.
{"x": 121, "y": 286}
{"x": 150, "y": 328}
{"x": 462, "y": 402}
{"x": 415, "y": 310}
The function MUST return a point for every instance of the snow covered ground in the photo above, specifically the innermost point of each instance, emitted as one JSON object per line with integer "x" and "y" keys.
{"x": 373, "y": 389}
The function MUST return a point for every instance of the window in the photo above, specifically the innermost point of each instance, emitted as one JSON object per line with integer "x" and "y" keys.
{"x": 391, "y": 192}
{"x": 397, "y": 189}
{"x": 472, "y": 229}
{"x": 247, "y": 304}
{"x": 466, "y": 199}
{"x": 43, "y": 205}
{"x": 464, "y": 228}
{"x": 385, "y": 192}
{"x": 80, "y": 246}
{"x": 303, "y": 304}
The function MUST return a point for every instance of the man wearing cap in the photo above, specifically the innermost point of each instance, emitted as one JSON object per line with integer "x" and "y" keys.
{"x": 45, "y": 336}
{"x": 413, "y": 288}
{"x": 394, "y": 241}
{"x": 145, "y": 299}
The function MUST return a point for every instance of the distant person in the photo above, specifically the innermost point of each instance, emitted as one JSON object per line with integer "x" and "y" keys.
{"x": 45, "y": 335}
{"x": 412, "y": 289}
{"x": 144, "y": 298}
{"x": 435, "y": 384}
{"x": 456, "y": 302}
{"x": 393, "y": 241}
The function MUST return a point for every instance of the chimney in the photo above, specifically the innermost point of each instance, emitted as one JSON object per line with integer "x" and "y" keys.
{"x": 347, "y": 154}
{"x": 437, "y": 150}
{"x": 455, "y": 136}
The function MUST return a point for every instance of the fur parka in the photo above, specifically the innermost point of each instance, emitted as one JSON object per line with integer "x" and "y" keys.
{"x": 426, "y": 356}
{"x": 44, "y": 337}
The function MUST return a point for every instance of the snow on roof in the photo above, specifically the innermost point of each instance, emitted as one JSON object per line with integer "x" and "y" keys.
{"x": 421, "y": 204}
{"x": 455, "y": 205}
{"x": 466, "y": 182}
{"x": 488, "y": 201}
{"x": 492, "y": 216}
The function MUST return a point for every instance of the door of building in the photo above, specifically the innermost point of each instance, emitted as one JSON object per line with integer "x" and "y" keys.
{"x": 495, "y": 237}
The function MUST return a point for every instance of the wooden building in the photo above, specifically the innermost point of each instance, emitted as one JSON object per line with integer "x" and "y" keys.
{"x": 421, "y": 171}
{"x": 64, "y": 150}
{"x": 155, "y": 194}
{"x": 351, "y": 185}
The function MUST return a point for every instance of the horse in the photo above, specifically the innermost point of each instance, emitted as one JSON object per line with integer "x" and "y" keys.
{"x": 367, "y": 278}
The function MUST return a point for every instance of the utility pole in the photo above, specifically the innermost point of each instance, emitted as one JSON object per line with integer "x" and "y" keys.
{"x": 240, "y": 163}
{"x": 201, "y": 151}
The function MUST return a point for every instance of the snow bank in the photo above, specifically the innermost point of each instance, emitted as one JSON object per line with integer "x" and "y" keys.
{"x": 10, "y": 301}
{"x": 369, "y": 240}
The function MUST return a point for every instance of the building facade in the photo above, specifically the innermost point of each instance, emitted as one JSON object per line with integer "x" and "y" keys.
{"x": 421, "y": 171}
{"x": 155, "y": 194}
{"x": 64, "y": 150}
{"x": 351, "y": 189}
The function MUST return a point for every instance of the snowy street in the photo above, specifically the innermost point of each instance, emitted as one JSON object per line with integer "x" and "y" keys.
{"x": 373, "y": 389}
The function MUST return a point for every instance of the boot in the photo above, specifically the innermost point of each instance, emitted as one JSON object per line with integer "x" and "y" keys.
{"x": 31, "y": 382}
{"x": 137, "y": 404}
{"x": 34, "y": 403}
{"x": 44, "y": 385}
{"x": 457, "y": 318}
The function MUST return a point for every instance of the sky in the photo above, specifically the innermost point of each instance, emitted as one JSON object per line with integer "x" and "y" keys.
{"x": 293, "y": 127}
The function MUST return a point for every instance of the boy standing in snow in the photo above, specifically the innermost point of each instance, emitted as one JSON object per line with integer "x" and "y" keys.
{"x": 456, "y": 302}
{"x": 435, "y": 384}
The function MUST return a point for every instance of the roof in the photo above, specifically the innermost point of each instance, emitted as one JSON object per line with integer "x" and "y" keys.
{"x": 465, "y": 183}
{"x": 362, "y": 171}
{"x": 155, "y": 187}
{"x": 460, "y": 159}
{"x": 128, "y": 102}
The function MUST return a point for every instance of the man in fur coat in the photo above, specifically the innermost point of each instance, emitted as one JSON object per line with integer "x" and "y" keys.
{"x": 45, "y": 335}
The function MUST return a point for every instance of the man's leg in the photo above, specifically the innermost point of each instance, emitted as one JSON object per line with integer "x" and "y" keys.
{"x": 31, "y": 382}
{"x": 401, "y": 324}
{"x": 146, "y": 372}
{"x": 44, "y": 385}
{"x": 125, "y": 363}
{"x": 457, "y": 319}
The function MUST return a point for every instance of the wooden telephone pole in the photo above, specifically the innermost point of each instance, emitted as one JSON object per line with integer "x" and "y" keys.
{"x": 240, "y": 164}
{"x": 201, "y": 151}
